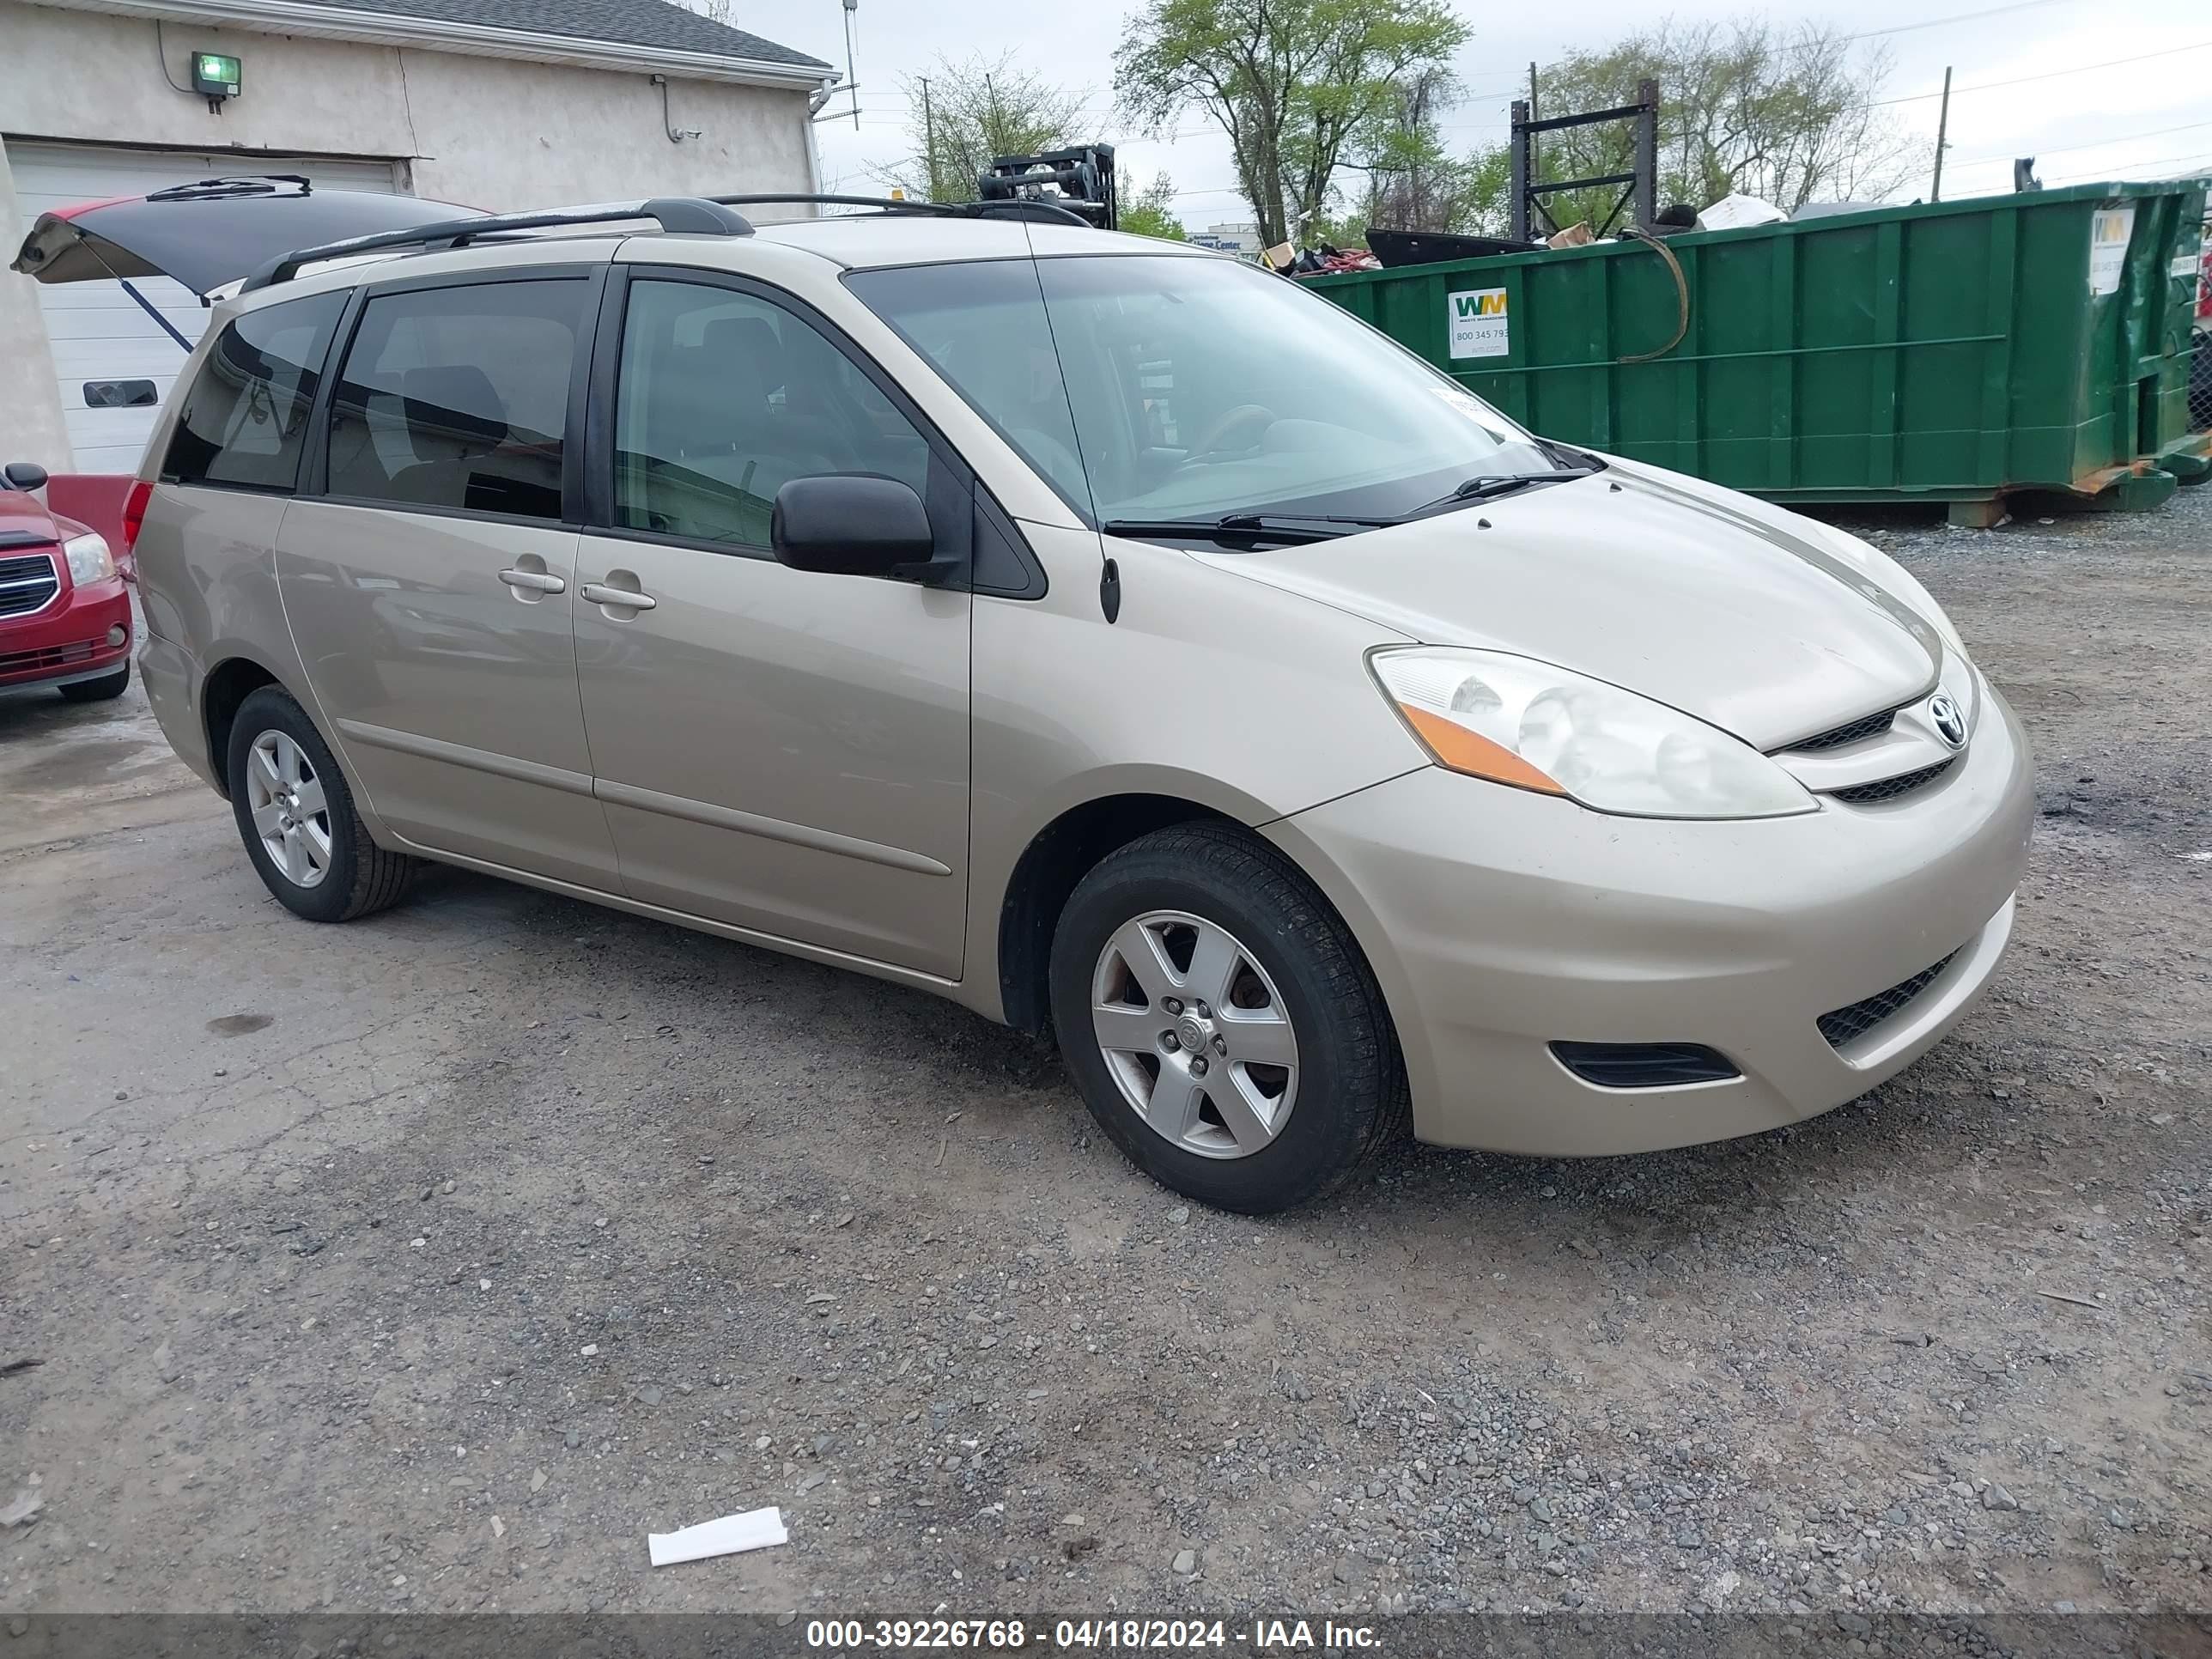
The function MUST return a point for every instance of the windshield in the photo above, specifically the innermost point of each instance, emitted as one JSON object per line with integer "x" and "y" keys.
{"x": 1167, "y": 387}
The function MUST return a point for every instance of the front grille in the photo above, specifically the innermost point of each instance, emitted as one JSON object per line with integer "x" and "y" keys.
{"x": 1890, "y": 788}
{"x": 1870, "y": 726}
{"x": 51, "y": 656}
{"x": 1643, "y": 1065}
{"x": 27, "y": 583}
{"x": 1848, "y": 1025}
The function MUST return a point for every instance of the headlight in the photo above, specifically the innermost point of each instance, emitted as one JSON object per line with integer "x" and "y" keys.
{"x": 89, "y": 561}
{"x": 1516, "y": 720}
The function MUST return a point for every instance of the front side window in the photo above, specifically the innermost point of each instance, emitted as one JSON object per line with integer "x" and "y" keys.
{"x": 982, "y": 325}
{"x": 458, "y": 397}
{"x": 723, "y": 398}
{"x": 243, "y": 423}
{"x": 1198, "y": 387}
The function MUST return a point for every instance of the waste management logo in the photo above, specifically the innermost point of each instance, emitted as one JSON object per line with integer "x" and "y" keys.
{"x": 1478, "y": 323}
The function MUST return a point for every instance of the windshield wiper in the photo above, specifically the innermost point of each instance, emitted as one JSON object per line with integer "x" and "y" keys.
{"x": 1292, "y": 528}
{"x": 1487, "y": 486}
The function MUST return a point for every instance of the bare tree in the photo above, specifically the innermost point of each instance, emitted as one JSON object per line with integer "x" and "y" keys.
{"x": 1412, "y": 181}
{"x": 962, "y": 116}
{"x": 1784, "y": 113}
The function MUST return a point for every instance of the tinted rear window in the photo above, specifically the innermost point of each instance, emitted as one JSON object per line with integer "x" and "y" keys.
{"x": 458, "y": 397}
{"x": 244, "y": 421}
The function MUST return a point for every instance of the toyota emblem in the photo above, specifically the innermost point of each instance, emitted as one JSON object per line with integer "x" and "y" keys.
{"x": 1950, "y": 723}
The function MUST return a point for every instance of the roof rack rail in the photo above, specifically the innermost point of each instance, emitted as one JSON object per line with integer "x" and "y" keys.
{"x": 679, "y": 214}
{"x": 887, "y": 204}
{"x": 1026, "y": 208}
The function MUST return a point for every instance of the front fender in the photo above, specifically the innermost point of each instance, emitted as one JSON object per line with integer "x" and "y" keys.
{"x": 1234, "y": 695}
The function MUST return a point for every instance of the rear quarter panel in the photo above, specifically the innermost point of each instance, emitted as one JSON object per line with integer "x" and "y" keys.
{"x": 207, "y": 575}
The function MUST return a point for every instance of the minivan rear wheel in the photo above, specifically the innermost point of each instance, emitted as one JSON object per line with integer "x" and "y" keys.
{"x": 1220, "y": 1022}
{"x": 296, "y": 815}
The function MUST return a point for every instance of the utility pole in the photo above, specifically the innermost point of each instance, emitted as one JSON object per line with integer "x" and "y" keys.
{"x": 852, "y": 83}
{"x": 1943, "y": 127}
{"x": 929, "y": 142}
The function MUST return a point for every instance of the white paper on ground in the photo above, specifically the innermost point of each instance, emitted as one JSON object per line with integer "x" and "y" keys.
{"x": 756, "y": 1530}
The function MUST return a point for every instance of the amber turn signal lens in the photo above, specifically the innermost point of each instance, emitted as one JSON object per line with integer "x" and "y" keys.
{"x": 1463, "y": 750}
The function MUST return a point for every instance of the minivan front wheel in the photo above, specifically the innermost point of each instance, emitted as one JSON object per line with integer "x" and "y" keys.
{"x": 1220, "y": 1022}
{"x": 296, "y": 815}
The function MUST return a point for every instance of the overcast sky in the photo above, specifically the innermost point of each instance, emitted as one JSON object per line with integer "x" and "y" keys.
{"x": 2086, "y": 117}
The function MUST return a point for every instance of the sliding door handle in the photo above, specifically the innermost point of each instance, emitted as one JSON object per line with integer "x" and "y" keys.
{"x": 628, "y": 599}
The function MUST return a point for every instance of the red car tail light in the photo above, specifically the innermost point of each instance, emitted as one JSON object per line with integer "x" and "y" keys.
{"x": 134, "y": 513}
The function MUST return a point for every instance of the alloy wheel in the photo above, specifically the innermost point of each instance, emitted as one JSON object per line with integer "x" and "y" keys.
{"x": 1195, "y": 1034}
{"x": 285, "y": 798}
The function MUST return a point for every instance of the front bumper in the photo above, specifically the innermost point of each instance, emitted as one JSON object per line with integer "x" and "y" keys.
{"x": 74, "y": 637}
{"x": 1499, "y": 921}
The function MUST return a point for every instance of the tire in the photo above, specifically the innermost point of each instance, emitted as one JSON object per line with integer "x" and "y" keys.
{"x": 355, "y": 878}
{"x": 1220, "y": 889}
{"x": 99, "y": 691}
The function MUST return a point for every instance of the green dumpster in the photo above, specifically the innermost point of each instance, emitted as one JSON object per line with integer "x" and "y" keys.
{"x": 1945, "y": 352}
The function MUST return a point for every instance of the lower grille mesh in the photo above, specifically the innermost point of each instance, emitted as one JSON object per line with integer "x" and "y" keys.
{"x": 1890, "y": 788}
{"x": 1848, "y": 1025}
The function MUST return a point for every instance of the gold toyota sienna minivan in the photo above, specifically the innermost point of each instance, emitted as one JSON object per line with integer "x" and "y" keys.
{"x": 1102, "y": 634}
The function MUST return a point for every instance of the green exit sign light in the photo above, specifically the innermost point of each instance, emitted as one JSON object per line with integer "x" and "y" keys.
{"x": 215, "y": 75}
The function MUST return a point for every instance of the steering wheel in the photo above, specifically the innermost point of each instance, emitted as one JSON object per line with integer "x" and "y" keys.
{"x": 1233, "y": 420}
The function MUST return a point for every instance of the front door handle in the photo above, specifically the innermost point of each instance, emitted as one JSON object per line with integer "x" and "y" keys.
{"x": 627, "y": 598}
{"x": 534, "y": 581}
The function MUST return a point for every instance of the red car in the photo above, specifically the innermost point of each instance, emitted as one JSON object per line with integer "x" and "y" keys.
{"x": 64, "y": 611}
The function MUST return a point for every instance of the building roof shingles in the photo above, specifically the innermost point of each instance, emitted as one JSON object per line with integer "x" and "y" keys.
{"x": 626, "y": 23}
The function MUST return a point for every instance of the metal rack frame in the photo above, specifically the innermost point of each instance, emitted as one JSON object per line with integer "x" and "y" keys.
{"x": 1642, "y": 181}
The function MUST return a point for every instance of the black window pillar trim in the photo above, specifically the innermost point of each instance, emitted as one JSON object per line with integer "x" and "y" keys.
{"x": 314, "y": 481}
{"x": 598, "y": 411}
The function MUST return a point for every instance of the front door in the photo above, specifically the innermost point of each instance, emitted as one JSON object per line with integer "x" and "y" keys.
{"x": 776, "y": 748}
{"x": 431, "y": 584}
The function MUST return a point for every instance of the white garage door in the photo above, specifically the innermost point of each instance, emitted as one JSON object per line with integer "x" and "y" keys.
{"x": 100, "y": 337}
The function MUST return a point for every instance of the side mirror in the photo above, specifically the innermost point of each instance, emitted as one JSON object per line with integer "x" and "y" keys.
{"x": 854, "y": 524}
{"x": 24, "y": 475}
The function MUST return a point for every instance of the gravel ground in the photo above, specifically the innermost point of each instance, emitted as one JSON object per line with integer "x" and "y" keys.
{"x": 429, "y": 1263}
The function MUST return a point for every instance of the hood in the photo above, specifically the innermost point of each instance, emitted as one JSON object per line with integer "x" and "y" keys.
{"x": 212, "y": 233}
{"x": 25, "y": 521}
{"x": 1707, "y": 601}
